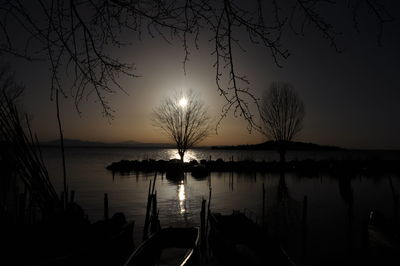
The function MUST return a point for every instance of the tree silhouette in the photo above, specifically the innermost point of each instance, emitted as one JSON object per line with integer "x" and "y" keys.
{"x": 184, "y": 119}
{"x": 21, "y": 164}
{"x": 282, "y": 114}
{"x": 78, "y": 37}
{"x": 9, "y": 89}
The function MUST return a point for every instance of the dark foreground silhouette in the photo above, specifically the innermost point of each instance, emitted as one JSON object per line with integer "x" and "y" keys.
{"x": 236, "y": 240}
{"x": 68, "y": 241}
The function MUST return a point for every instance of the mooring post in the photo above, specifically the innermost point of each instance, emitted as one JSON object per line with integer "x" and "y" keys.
{"x": 62, "y": 200}
{"x": 21, "y": 207}
{"x": 304, "y": 220}
{"x": 147, "y": 217}
{"x": 365, "y": 236}
{"x": 33, "y": 217}
{"x": 154, "y": 183}
{"x": 395, "y": 201}
{"x": 304, "y": 229}
{"x": 263, "y": 206}
{"x": 203, "y": 225}
{"x": 154, "y": 222}
{"x": 72, "y": 199}
{"x": 105, "y": 206}
{"x": 231, "y": 180}
{"x": 208, "y": 208}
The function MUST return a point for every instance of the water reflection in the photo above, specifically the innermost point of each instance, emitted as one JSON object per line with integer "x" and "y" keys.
{"x": 283, "y": 190}
{"x": 328, "y": 216}
{"x": 346, "y": 192}
{"x": 182, "y": 197}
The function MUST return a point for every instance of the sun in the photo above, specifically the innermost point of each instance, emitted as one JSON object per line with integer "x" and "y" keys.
{"x": 183, "y": 102}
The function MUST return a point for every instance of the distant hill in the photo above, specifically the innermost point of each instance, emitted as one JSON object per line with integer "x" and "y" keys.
{"x": 269, "y": 145}
{"x": 127, "y": 144}
{"x": 273, "y": 145}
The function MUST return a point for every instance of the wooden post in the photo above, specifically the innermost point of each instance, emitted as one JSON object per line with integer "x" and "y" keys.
{"x": 263, "y": 206}
{"x": 21, "y": 207}
{"x": 154, "y": 216}
{"x": 72, "y": 199}
{"x": 33, "y": 214}
{"x": 154, "y": 203}
{"x": 304, "y": 229}
{"x": 304, "y": 220}
{"x": 65, "y": 200}
{"x": 395, "y": 201}
{"x": 396, "y": 208}
{"x": 203, "y": 225}
{"x": 147, "y": 217}
{"x": 365, "y": 236}
{"x": 231, "y": 180}
{"x": 62, "y": 199}
{"x": 105, "y": 206}
{"x": 208, "y": 209}
{"x": 350, "y": 228}
{"x": 154, "y": 183}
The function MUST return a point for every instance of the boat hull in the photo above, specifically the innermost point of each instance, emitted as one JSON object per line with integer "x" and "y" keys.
{"x": 169, "y": 246}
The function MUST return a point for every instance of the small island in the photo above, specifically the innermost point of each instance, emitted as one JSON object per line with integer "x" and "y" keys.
{"x": 305, "y": 167}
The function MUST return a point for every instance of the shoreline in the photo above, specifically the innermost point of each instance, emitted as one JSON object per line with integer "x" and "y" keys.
{"x": 306, "y": 167}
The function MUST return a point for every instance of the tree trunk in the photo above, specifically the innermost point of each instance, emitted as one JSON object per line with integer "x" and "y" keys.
{"x": 181, "y": 154}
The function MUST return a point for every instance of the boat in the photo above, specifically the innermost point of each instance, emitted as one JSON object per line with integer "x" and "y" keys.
{"x": 236, "y": 240}
{"x": 169, "y": 246}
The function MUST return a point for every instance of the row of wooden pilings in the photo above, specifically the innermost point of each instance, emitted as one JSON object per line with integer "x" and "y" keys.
{"x": 152, "y": 222}
{"x": 151, "y": 217}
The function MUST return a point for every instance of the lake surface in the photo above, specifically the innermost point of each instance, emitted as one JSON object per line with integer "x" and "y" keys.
{"x": 330, "y": 229}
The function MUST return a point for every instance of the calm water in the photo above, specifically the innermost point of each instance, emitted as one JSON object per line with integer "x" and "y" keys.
{"x": 180, "y": 203}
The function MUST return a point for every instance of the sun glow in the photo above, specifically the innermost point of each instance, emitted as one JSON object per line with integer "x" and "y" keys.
{"x": 183, "y": 102}
{"x": 189, "y": 155}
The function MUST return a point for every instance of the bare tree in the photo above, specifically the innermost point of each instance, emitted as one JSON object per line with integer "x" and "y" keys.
{"x": 184, "y": 119}
{"x": 282, "y": 114}
{"x": 77, "y": 37}
{"x": 9, "y": 88}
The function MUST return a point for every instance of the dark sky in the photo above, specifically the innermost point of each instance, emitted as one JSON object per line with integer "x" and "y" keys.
{"x": 351, "y": 98}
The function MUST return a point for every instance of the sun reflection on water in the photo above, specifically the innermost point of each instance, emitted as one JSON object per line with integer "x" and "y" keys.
{"x": 189, "y": 155}
{"x": 182, "y": 197}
